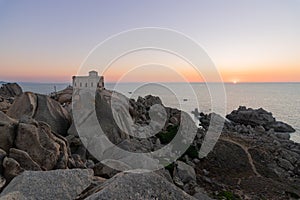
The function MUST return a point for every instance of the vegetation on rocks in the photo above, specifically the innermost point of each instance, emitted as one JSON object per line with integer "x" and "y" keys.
{"x": 167, "y": 136}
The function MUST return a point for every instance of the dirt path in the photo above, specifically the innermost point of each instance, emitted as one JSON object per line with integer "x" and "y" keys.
{"x": 247, "y": 153}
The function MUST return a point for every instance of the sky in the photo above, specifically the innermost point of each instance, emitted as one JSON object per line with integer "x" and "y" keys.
{"x": 248, "y": 41}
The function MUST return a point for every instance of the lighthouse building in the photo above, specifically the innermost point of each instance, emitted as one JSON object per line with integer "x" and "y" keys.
{"x": 93, "y": 80}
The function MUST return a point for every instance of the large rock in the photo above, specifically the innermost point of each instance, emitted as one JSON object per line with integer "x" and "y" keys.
{"x": 258, "y": 117}
{"x": 249, "y": 116}
{"x": 7, "y": 131}
{"x": 251, "y": 166}
{"x": 201, "y": 196}
{"x": 105, "y": 115}
{"x": 184, "y": 172}
{"x": 41, "y": 108}
{"x": 43, "y": 147}
{"x": 4, "y": 104}
{"x": 285, "y": 164}
{"x": 13, "y": 196}
{"x": 10, "y": 90}
{"x": 227, "y": 159}
{"x": 24, "y": 160}
{"x": 26, "y": 104}
{"x": 57, "y": 184}
{"x": 5, "y": 118}
{"x": 280, "y": 127}
{"x": 32, "y": 144}
{"x": 2, "y": 156}
{"x": 11, "y": 168}
{"x": 64, "y": 96}
{"x": 2, "y": 182}
{"x": 283, "y": 136}
{"x": 139, "y": 186}
{"x": 72, "y": 130}
{"x": 104, "y": 170}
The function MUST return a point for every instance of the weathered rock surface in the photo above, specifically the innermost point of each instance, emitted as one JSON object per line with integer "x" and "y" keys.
{"x": 283, "y": 136}
{"x": 2, "y": 156}
{"x": 24, "y": 160}
{"x": 280, "y": 127}
{"x": 251, "y": 166}
{"x": 26, "y": 104}
{"x": 105, "y": 115}
{"x": 57, "y": 184}
{"x": 2, "y": 182}
{"x": 64, "y": 96}
{"x": 104, "y": 170}
{"x": 13, "y": 196}
{"x": 139, "y": 111}
{"x": 72, "y": 130}
{"x": 184, "y": 172}
{"x": 41, "y": 108}
{"x": 258, "y": 117}
{"x": 4, "y": 104}
{"x": 7, "y": 133}
{"x": 41, "y": 145}
{"x": 10, "y": 90}
{"x": 30, "y": 145}
{"x": 139, "y": 186}
{"x": 11, "y": 168}
{"x": 250, "y": 160}
{"x": 201, "y": 196}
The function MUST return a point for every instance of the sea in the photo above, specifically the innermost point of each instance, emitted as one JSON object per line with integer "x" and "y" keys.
{"x": 282, "y": 99}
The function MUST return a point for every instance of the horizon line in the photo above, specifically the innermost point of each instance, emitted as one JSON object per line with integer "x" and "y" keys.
{"x": 111, "y": 82}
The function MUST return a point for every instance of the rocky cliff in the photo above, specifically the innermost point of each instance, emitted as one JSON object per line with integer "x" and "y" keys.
{"x": 42, "y": 156}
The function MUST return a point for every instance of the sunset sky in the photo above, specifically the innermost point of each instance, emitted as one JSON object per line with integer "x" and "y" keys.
{"x": 248, "y": 41}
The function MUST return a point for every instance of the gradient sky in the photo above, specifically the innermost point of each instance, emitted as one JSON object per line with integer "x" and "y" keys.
{"x": 249, "y": 41}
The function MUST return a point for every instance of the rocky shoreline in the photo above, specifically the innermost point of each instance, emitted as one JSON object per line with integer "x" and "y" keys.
{"x": 42, "y": 157}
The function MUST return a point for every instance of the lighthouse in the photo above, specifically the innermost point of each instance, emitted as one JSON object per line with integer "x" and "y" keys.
{"x": 93, "y": 80}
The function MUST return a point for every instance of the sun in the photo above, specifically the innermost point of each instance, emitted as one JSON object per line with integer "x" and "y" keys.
{"x": 235, "y": 81}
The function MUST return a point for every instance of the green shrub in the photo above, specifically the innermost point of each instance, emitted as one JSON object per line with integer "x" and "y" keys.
{"x": 192, "y": 152}
{"x": 167, "y": 136}
{"x": 170, "y": 168}
{"x": 227, "y": 195}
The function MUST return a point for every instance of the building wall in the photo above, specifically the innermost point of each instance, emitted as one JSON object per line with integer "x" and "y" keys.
{"x": 88, "y": 82}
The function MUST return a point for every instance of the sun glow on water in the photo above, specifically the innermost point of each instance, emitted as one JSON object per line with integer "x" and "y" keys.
{"x": 235, "y": 81}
